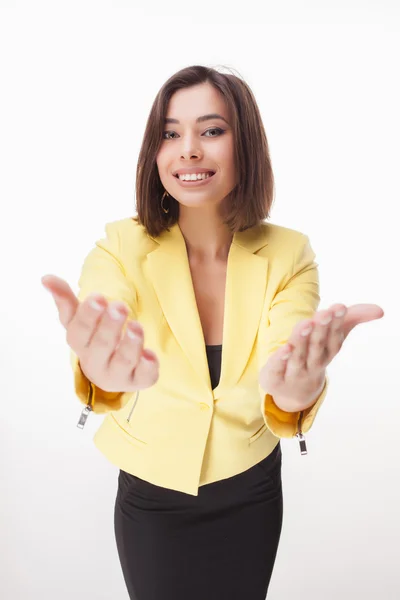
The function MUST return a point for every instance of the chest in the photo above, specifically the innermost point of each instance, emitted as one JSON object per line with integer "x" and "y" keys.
{"x": 209, "y": 289}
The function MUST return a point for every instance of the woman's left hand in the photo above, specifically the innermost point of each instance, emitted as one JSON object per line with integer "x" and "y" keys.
{"x": 295, "y": 374}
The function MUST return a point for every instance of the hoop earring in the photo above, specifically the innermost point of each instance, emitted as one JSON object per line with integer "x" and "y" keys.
{"x": 166, "y": 210}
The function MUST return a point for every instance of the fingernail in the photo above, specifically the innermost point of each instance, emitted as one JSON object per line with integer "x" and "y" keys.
{"x": 135, "y": 329}
{"x": 326, "y": 320}
{"x": 96, "y": 305}
{"x": 114, "y": 313}
{"x": 339, "y": 313}
{"x": 306, "y": 331}
{"x": 131, "y": 334}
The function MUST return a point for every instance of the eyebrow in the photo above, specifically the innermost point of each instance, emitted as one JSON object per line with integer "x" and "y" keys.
{"x": 199, "y": 119}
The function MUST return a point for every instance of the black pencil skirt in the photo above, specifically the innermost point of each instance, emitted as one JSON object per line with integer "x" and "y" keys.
{"x": 219, "y": 545}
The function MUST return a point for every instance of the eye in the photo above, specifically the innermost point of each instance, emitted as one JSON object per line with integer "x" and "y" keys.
{"x": 168, "y": 133}
{"x": 218, "y": 129}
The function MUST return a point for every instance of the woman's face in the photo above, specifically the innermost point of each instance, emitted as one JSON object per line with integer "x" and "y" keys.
{"x": 190, "y": 146}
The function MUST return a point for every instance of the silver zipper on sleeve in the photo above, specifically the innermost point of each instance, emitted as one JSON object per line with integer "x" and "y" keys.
{"x": 133, "y": 407}
{"x": 300, "y": 436}
{"x": 84, "y": 415}
{"x": 87, "y": 410}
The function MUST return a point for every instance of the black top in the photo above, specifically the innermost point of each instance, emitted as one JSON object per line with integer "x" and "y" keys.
{"x": 214, "y": 355}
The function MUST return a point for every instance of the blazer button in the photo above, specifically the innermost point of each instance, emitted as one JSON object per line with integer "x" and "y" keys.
{"x": 203, "y": 406}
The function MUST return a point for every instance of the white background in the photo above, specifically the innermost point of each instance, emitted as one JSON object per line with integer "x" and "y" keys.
{"x": 77, "y": 82}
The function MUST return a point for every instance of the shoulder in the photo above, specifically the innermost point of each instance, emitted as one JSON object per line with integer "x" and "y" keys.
{"x": 128, "y": 237}
{"x": 282, "y": 240}
{"x": 288, "y": 252}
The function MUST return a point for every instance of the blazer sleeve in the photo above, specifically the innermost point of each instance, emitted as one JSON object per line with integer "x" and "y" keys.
{"x": 103, "y": 272}
{"x": 297, "y": 299}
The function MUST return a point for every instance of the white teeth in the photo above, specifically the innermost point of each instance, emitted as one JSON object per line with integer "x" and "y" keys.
{"x": 193, "y": 176}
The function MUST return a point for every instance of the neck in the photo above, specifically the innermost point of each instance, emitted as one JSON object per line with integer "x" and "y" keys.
{"x": 207, "y": 239}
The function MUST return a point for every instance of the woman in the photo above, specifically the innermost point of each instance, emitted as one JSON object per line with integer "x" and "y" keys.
{"x": 227, "y": 302}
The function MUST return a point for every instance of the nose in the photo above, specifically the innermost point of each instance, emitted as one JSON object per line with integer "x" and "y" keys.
{"x": 190, "y": 154}
{"x": 190, "y": 149}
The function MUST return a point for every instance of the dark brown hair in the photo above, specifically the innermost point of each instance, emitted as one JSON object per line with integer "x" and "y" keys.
{"x": 250, "y": 201}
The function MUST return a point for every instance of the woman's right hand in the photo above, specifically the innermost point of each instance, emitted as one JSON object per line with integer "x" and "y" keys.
{"x": 113, "y": 361}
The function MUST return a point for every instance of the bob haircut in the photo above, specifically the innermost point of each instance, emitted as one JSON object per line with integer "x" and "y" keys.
{"x": 250, "y": 201}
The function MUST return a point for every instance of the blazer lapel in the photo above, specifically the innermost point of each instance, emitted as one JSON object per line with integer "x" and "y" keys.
{"x": 246, "y": 281}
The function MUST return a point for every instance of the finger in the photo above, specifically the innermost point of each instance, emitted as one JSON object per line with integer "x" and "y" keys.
{"x": 126, "y": 356}
{"x": 337, "y": 335}
{"x": 146, "y": 373}
{"x": 86, "y": 319}
{"x": 297, "y": 362}
{"x": 65, "y": 299}
{"x": 361, "y": 313}
{"x": 319, "y": 339}
{"x": 275, "y": 368}
{"x": 107, "y": 334}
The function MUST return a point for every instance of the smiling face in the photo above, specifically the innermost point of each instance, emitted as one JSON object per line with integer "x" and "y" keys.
{"x": 194, "y": 144}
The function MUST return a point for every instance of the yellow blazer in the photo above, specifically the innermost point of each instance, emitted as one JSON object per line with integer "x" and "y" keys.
{"x": 180, "y": 433}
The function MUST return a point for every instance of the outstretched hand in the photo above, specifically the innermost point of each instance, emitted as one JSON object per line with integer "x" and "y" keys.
{"x": 112, "y": 360}
{"x": 295, "y": 374}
